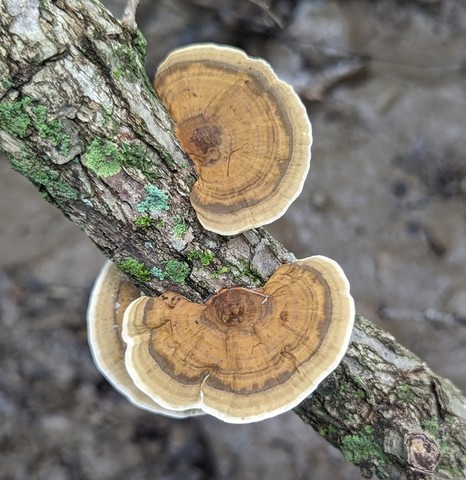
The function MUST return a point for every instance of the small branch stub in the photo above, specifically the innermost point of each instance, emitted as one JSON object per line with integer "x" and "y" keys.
{"x": 423, "y": 452}
{"x": 129, "y": 16}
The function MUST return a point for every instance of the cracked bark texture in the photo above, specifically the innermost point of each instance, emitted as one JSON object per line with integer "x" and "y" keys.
{"x": 74, "y": 91}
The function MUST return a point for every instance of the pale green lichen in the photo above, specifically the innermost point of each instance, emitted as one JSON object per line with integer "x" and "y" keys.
{"x": 103, "y": 157}
{"x": 156, "y": 200}
{"x": 157, "y": 273}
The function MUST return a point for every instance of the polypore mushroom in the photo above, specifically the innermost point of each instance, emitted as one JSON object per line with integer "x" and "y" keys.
{"x": 244, "y": 355}
{"x": 111, "y": 294}
{"x": 246, "y": 131}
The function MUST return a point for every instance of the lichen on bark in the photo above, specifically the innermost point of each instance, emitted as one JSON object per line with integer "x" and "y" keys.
{"x": 73, "y": 84}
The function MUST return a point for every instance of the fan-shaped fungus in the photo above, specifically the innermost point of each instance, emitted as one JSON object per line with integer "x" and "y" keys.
{"x": 111, "y": 294}
{"x": 244, "y": 355}
{"x": 246, "y": 131}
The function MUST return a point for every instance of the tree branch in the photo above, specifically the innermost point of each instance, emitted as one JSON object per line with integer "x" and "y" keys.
{"x": 129, "y": 16}
{"x": 79, "y": 118}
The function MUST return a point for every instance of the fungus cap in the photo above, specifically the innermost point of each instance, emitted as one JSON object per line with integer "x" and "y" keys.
{"x": 111, "y": 294}
{"x": 246, "y": 131}
{"x": 244, "y": 355}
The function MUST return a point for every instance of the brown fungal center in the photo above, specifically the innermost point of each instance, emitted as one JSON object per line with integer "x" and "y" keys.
{"x": 201, "y": 140}
{"x": 206, "y": 137}
{"x": 235, "y": 308}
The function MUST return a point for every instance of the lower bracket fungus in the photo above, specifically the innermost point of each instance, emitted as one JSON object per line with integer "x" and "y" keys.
{"x": 245, "y": 354}
{"x": 111, "y": 295}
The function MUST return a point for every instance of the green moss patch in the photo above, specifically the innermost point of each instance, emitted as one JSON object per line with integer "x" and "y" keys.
{"x": 245, "y": 270}
{"x": 179, "y": 227}
{"x": 405, "y": 393}
{"x": 143, "y": 221}
{"x": 106, "y": 158}
{"x": 51, "y": 129}
{"x": 14, "y": 118}
{"x": 329, "y": 431}
{"x": 134, "y": 156}
{"x": 174, "y": 270}
{"x": 7, "y": 83}
{"x": 140, "y": 43}
{"x": 136, "y": 269}
{"x": 166, "y": 157}
{"x": 432, "y": 427}
{"x": 177, "y": 271}
{"x": 220, "y": 271}
{"x": 19, "y": 116}
{"x": 205, "y": 257}
{"x": 126, "y": 64}
{"x": 362, "y": 447}
{"x": 103, "y": 157}
{"x": 48, "y": 181}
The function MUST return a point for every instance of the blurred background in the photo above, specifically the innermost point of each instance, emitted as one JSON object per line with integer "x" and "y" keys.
{"x": 384, "y": 82}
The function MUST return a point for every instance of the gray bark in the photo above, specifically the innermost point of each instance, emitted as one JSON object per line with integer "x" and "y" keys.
{"x": 79, "y": 118}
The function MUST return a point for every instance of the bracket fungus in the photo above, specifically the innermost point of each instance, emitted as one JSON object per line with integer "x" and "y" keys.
{"x": 246, "y": 131}
{"x": 111, "y": 295}
{"x": 244, "y": 355}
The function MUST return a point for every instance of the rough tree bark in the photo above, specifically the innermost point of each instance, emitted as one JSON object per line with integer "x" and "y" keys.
{"x": 79, "y": 119}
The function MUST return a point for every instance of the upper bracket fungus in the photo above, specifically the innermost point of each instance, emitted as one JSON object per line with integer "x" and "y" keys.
{"x": 244, "y": 355}
{"x": 111, "y": 295}
{"x": 246, "y": 131}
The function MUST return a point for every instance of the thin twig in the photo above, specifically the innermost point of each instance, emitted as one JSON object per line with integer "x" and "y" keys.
{"x": 129, "y": 16}
{"x": 266, "y": 9}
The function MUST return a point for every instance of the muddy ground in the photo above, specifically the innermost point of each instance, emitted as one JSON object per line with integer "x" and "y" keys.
{"x": 385, "y": 87}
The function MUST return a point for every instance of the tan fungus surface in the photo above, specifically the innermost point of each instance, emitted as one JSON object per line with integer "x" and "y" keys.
{"x": 244, "y": 355}
{"x": 246, "y": 131}
{"x": 111, "y": 295}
